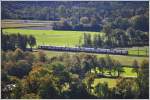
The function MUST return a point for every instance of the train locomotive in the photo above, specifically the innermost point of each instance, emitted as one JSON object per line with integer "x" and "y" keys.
{"x": 84, "y": 49}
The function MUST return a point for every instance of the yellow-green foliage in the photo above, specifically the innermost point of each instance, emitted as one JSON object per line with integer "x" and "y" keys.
{"x": 111, "y": 82}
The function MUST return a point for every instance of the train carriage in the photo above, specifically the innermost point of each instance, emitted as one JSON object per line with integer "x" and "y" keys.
{"x": 84, "y": 49}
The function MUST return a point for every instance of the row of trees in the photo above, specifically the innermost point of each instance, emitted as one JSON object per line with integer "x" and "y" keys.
{"x": 65, "y": 24}
{"x": 13, "y": 41}
{"x": 25, "y": 75}
{"x": 116, "y": 38}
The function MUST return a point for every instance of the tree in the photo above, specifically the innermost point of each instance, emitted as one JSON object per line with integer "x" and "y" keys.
{"x": 97, "y": 41}
{"x": 13, "y": 41}
{"x": 42, "y": 56}
{"x": 107, "y": 30}
{"x": 102, "y": 65}
{"x": 20, "y": 69}
{"x": 78, "y": 90}
{"x": 120, "y": 37}
{"x": 87, "y": 41}
{"x": 29, "y": 57}
{"x": 121, "y": 23}
{"x": 48, "y": 88}
{"x": 108, "y": 33}
{"x": 18, "y": 54}
{"x": 102, "y": 90}
{"x": 135, "y": 67}
{"x": 140, "y": 22}
{"x": 84, "y": 20}
{"x": 64, "y": 25}
{"x": 88, "y": 62}
{"x": 76, "y": 67}
{"x": 143, "y": 80}
{"x": 22, "y": 41}
{"x": 62, "y": 11}
{"x": 59, "y": 70}
{"x": 100, "y": 41}
{"x": 126, "y": 89}
{"x": 131, "y": 33}
{"x": 109, "y": 64}
{"x": 13, "y": 89}
{"x": 94, "y": 21}
{"x": 30, "y": 96}
{"x": 89, "y": 79}
{"x": 85, "y": 65}
{"x": 118, "y": 67}
{"x": 31, "y": 41}
{"x": 38, "y": 76}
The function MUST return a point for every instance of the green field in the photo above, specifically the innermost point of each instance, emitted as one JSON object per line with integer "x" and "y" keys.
{"x": 124, "y": 60}
{"x": 112, "y": 82}
{"x": 70, "y": 38}
{"x": 52, "y": 37}
{"x": 67, "y": 38}
{"x": 139, "y": 52}
{"x": 128, "y": 72}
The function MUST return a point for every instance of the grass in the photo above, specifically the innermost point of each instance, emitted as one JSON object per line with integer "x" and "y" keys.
{"x": 140, "y": 52}
{"x": 128, "y": 60}
{"x": 128, "y": 72}
{"x": 52, "y": 37}
{"x": 140, "y": 48}
{"x": 111, "y": 82}
{"x": 124, "y": 60}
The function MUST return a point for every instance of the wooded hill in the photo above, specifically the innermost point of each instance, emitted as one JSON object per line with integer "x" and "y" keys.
{"x": 79, "y": 12}
{"x": 120, "y": 21}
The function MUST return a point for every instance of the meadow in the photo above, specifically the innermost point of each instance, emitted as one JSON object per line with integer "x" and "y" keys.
{"x": 138, "y": 51}
{"x": 52, "y": 37}
{"x": 66, "y": 38}
{"x": 124, "y": 60}
{"x": 113, "y": 81}
{"x": 71, "y": 39}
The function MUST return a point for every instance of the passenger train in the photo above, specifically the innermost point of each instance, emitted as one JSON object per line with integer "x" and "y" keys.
{"x": 84, "y": 49}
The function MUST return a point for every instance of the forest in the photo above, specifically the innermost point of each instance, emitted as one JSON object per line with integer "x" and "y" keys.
{"x": 31, "y": 73}
{"x": 25, "y": 75}
{"x": 75, "y": 15}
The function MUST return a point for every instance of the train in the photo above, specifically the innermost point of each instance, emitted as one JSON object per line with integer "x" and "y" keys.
{"x": 85, "y": 49}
